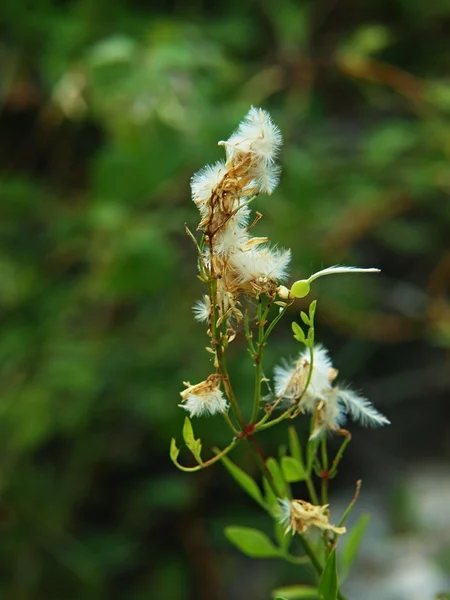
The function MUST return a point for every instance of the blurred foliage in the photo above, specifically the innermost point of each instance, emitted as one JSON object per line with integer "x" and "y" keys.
{"x": 106, "y": 111}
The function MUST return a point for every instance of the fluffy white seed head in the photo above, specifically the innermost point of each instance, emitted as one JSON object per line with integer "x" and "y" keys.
{"x": 256, "y": 134}
{"x": 204, "y": 182}
{"x": 323, "y": 373}
{"x": 233, "y": 234}
{"x": 330, "y": 404}
{"x": 267, "y": 177}
{"x": 205, "y": 398}
{"x": 262, "y": 264}
{"x": 290, "y": 378}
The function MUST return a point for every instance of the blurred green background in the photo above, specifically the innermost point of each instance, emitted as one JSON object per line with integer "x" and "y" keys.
{"x": 106, "y": 110}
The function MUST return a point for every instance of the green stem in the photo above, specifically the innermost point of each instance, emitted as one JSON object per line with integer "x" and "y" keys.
{"x": 312, "y": 490}
{"x": 249, "y": 334}
{"x": 352, "y": 502}
{"x": 339, "y": 454}
{"x": 209, "y": 462}
{"x": 275, "y": 321}
{"x": 229, "y": 422}
{"x": 324, "y": 466}
{"x": 258, "y": 360}
{"x": 263, "y": 425}
{"x": 220, "y": 355}
{"x": 311, "y": 555}
{"x": 228, "y": 388}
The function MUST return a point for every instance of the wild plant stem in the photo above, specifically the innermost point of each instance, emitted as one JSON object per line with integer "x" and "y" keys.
{"x": 258, "y": 359}
{"x": 324, "y": 478}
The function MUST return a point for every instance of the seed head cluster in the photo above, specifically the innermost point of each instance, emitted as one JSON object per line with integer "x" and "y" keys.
{"x": 237, "y": 263}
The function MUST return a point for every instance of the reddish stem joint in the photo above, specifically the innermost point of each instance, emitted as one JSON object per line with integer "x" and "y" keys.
{"x": 247, "y": 431}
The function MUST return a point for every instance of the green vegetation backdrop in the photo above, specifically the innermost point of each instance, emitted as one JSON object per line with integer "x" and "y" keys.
{"x": 107, "y": 108}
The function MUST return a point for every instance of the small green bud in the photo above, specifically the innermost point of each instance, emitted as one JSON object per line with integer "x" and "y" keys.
{"x": 300, "y": 288}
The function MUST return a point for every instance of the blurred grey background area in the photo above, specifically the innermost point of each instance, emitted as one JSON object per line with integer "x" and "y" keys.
{"x": 106, "y": 110}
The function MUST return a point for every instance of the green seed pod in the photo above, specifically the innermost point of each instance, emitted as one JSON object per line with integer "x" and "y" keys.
{"x": 300, "y": 288}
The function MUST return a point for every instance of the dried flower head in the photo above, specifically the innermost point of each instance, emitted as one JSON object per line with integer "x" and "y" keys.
{"x": 299, "y": 515}
{"x": 205, "y": 398}
{"x": 330, "y": 404}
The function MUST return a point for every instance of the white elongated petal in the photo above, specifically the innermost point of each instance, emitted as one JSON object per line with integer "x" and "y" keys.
{"x": 360, "y": 409}
{"x": 340, "y": 269}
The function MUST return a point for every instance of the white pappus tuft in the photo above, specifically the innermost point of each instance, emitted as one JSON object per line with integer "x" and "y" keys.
{"x": 283, "y": 513}
{"x": 202, "y": 309}
{"x": 256, "y": 134}
{"x": 262, "y": 264}
{"x": 290, "y": 379}
{"x": 204, "y": 182}
{"x": 360, "y": 409}
{"x": 205, "y": 398}
{"x": 330, "y": 404}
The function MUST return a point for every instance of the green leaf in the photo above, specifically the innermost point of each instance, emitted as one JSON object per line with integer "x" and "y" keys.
{"x": 245, "y": 481}
{"x": 296, "y": 592}
{"x": 292, "y": 469}
{"x": 328, "y": 583}
{"x": 310, "y": 338}
{"x": 294, "y": 445}
{"x": 195, "y": 446}
{"x": 304, "y": 317}
{"x": 352, "y": 542}
{"x": 174, "y": 451}
{"x": 281, "y": 598}
{"x": 188, "y": 433}
{"x": 251, "y": 542}
{"x": 312, "y": 310}
{"x": 278, "y": 479}
{"x": 299, "y": 334}
{"x": 271, "y": 499}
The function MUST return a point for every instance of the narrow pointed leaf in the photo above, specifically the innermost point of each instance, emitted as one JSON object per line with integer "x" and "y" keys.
{"x": 252, "y": 542}
{"x": 353, "y": 541}
{"x": 248, "y": 484}
{"x": 328, "y": 583}
{"x": 188, "y": 433}
{"x": 271, "y": 499}
{"x": 304, "y": 317}
{"x": 278, "y": 479}
{"x": 299, "y": 334}
{"x": 310, "y": 338}
{"x": 312, "y": 310}
{"x": 174, "y": 451}
{"x": 294, "y": 445}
